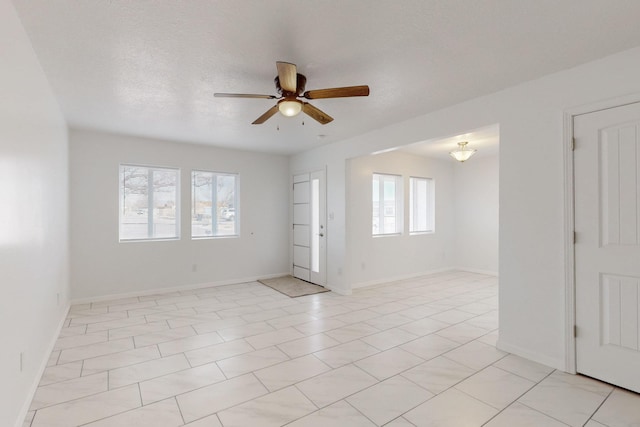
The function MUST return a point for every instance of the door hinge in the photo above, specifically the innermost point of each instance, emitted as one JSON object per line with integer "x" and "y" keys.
{"x": 573, "y": 144}
{"x": 575, "y": 237}
{"x": 575, "y": 331}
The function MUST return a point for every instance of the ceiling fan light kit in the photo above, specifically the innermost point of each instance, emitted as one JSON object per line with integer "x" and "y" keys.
{"x": 462, "y": 154}
{"x": 290, "y": 85}
{"x": 290, "y": 107}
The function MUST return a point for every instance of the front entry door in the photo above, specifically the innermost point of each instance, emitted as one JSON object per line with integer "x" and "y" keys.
{"x": 309, "y": 233}
{"x": 607, "y": 248}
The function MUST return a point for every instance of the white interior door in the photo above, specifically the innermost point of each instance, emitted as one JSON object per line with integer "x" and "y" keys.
{"x": 607, "y": 249}
{"x": 309, "y": 228}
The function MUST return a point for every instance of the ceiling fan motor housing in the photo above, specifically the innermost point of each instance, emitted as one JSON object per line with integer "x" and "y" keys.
{"x": 301, "y": 83}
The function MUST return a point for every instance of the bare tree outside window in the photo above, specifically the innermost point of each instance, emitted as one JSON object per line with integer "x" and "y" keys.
{"x": 214, "y": 204}
{"x": 148, "y": 203}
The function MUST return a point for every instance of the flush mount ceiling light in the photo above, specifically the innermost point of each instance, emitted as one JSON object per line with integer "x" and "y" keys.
{"x": 290, "y": 107}
{"x": 462, "y": 153}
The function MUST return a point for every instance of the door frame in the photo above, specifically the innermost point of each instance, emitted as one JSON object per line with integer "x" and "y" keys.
{"x": 569, "y": 217}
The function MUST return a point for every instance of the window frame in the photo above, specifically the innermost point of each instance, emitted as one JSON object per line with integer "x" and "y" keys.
{"x": 214, "y": 197}
{"x": 398, "y": 202}
{"x": 429, "y": 208}
{"x": 150, "y": 200}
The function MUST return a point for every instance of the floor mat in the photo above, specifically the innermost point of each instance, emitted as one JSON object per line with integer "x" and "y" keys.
{"x": 292, "y": 287}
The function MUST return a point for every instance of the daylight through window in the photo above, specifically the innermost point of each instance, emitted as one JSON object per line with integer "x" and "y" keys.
{"x": 148, "y": 203}
{"x": 214, "y": 211}
{"x": 387, "y": 204}
{"x": 421, "y": 206}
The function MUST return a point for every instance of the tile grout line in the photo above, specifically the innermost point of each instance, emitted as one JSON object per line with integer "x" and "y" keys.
{"x": 600, "y": 405}
{"x": 452, "y": 386}
{"x": 175, "y": 398}
{"x": 517, "y": 400}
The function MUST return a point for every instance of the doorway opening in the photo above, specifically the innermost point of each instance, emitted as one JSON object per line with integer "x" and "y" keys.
{"x": 460, "y": 206}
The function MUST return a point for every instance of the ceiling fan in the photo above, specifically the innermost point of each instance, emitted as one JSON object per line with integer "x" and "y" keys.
{"x": 290, "y": 85}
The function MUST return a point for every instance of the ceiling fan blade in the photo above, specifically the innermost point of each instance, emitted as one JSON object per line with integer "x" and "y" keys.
{"x": 316, "y": 113}
{"x": 337, "y": 92}
{"x": 266, "y": 116}
{"x": 288, "y": 75}
{"x": 243, "y": 95}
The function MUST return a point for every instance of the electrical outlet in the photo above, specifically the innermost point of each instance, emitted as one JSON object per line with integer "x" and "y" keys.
{"x": 21, "y": 361}
{"x": 58, "y": 298}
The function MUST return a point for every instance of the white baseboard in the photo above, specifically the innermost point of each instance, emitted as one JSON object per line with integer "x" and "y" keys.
{"x": 339, "y": 291}
{"x": 401, "y": 277}
{"x": 552, "y": 362}
{"x": 479, "y": 271}
{"x": 43, "y": 365}
{"x": 173, "y": 289}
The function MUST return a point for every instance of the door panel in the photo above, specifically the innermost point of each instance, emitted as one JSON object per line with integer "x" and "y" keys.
{"x": 620, "y": 311}
{"x": 301, "y": 229}
{"x": 301, "y": 235}
{"x": 301, "y": 273}
{"x": 301, "y": 192}
{"x": 309, "y": 227}
{"x": 301, "y": 257}
{"x": 607, "y": 250}
{"x": 301, "y": 214}
{"x": 301, "y": 177}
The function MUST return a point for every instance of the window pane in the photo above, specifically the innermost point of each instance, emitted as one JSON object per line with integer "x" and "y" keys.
{"x": 164, "y": 204}
{"x": 214, "y": 197}
{"x": 389, "y": 224}
{"x": 134, "y": 200}
{"x": 201, "y": 197}
{"x": 226, "y": 199}
{"x": 376, "y": 204}
{"x": 389, "y": 205}
{"x": 421, "y": 205}
{"x": 386, "y": 206}
{"x": 148, "y": 203}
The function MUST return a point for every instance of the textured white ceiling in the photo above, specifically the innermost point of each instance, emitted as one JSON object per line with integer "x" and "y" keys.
{"x": 150, "y": 67}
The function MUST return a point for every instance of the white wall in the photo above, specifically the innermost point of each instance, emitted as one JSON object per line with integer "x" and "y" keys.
{"x": 476, "y": 214}
{"x": 102, "y": 266}
{"x": 33, "y": 218}
{"x": 531, "y": 258}
{"x": 379, "y": 259}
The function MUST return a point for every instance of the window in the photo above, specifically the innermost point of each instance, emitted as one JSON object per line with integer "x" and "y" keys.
{"x": 148, "y": 203}
{"x": 214, "y": 211}
{"x": 387, "y": 204}
{"x": 421, "y": 212}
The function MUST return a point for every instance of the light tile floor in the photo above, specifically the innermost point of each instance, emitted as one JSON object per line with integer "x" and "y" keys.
{"x": 417, "y": 352}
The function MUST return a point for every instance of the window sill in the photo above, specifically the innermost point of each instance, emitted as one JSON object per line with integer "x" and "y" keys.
{"x": 420, "y": 233}
{"x": 375, "y": 236}
{"x": 162, "y": 239}
{"x": 231, "y": 236}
